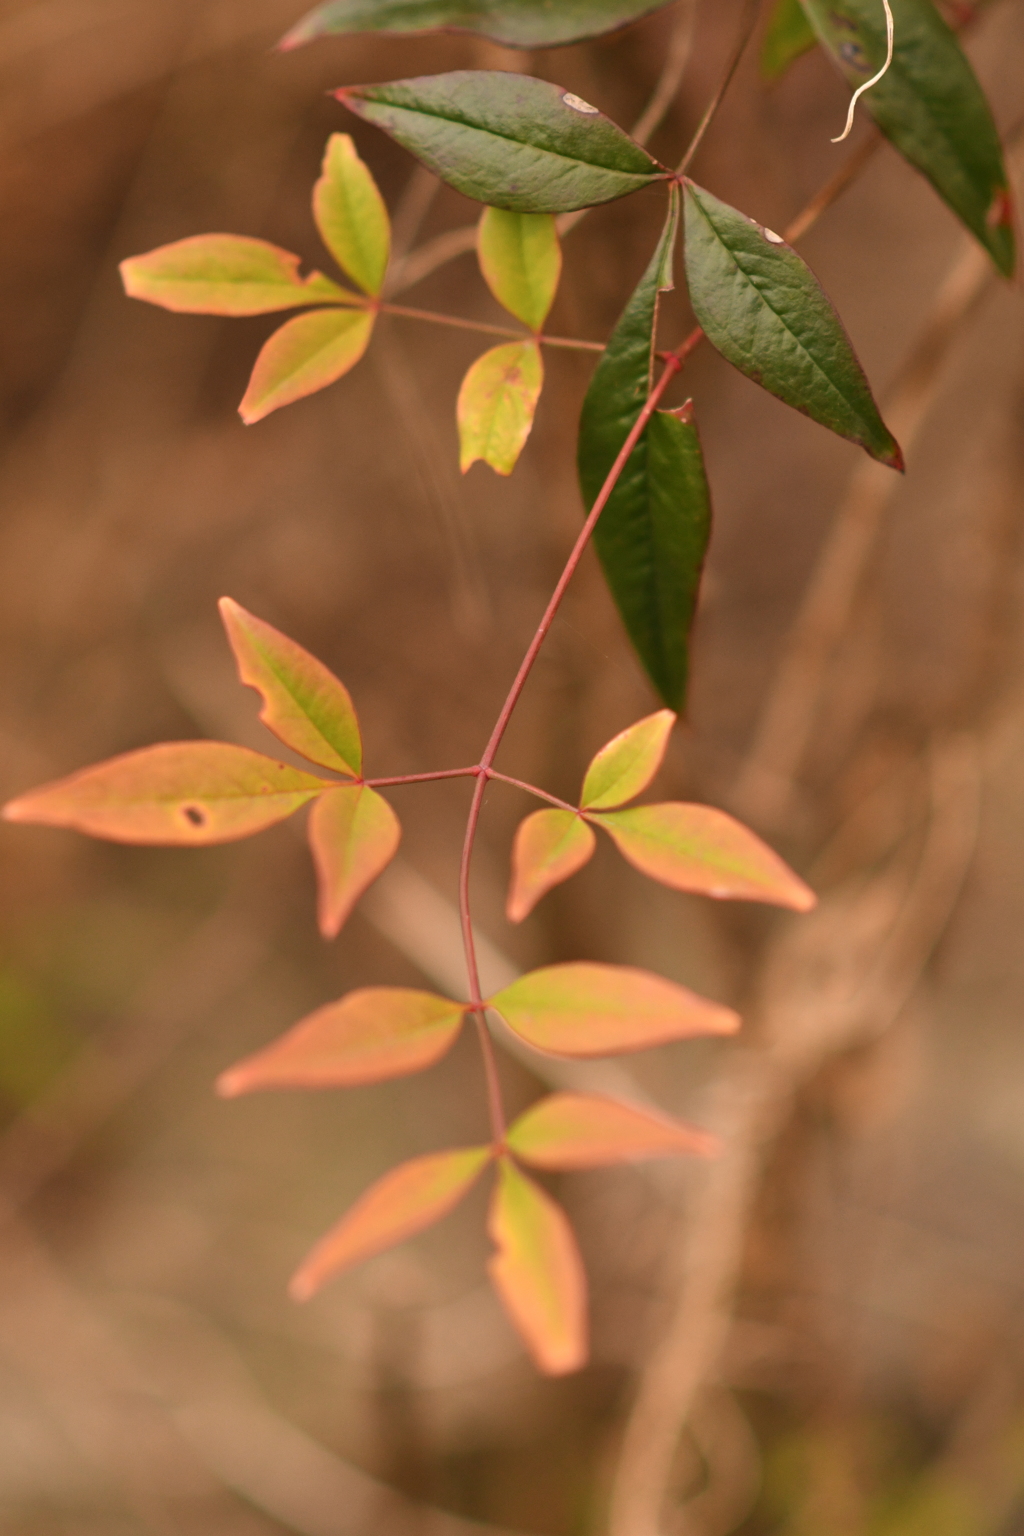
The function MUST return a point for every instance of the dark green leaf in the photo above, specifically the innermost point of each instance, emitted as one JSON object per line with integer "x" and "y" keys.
{"x": 508, "y": 140}
{"x": 930, "y": 105}
{"x": 789, "y": 35}
{"x": 522, "y": 24}
{"x": 651, "y": 536}
{"x": 763, "y": 308}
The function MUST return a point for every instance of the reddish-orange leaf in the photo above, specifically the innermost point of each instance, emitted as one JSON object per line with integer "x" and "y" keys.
{"x": 354, "y": 835}
{"x": 370, "y": 1035}
{"x": 549, "y": 847}
{"x": 628, "y": 763}
{"x": 586, "y": 1130}
{"x": 305, "y": 355}
{"x": 537, "y": 1271}
{"x": 188, "y": 792}
{"x": 412, "y": 1196}
{"x": 584, "y": 1009}
{"x": 696, "y": 848}
{"x": 303, "y": 702}
{"x": 226, "y": 275}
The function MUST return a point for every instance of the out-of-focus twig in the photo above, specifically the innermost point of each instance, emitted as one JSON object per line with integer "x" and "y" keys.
{"x": 838, "y": 978}
{"x": 764, "y": 785}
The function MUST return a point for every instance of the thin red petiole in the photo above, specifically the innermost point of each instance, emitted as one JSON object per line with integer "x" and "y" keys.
{"x": 423, "y": 778}
{"x": 531, "y": 789}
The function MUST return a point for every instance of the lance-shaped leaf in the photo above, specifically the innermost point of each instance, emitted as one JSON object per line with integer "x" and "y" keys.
{"x": 521, "y": 261}
{"x": 354, "y": 835}
{"x": 584, "y": 1009}
{"x": 789, "y": 35}
{"x": 586, "y": 1130}
{"x": 626, "y": 765}
{"x": 763, "y": 308}
{"x": 929, "y": 104}
{"x": 549, "y": 847}
{"x": 497, "y": 403}
{"x": 524, "y": 24}
{"x": 405, "y": 1201}
{"x": 369, "y": 1036}
{"x": 652, "y": 535}
{"x": 537, "y": 1271}
{"x": 697, "y": 848}
{"x": 508, "y": 140}
{"x": 226, "y": 275}
{"x": 305, "y": 355}
{"x": 351, "y": 216}
{"x": 189, "y": 792}
{"x": 303, "y": 702}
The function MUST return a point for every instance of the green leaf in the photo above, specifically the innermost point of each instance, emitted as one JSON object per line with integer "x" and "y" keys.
{"x": 354, "y": 835}
{"x": 930, "y": 105}
{"x": 789, "y": 34}
{"x": 181, "y": 792}
{"x": 497, "y": 404}
{"x": 627, "y": 764}
{"x": 521, "y": 261}
{"x": 351, "y": 216}
{"x": 305, "y": 355}
{"x": 652, "y": 535}
{"x": 405, "y": 1201}
{"x": 508, "y": 140}
{"x": 549, "y": 847}
{"x": 698, "y": 848}
{"x": 369, "y": 1036}
{"x": 582, "y": 1009}
{"x": 304, "y": 704}
{"x": 522, "y": 24}
{"x": 762, "y": 307}
{"x": 586, "y": 1130}
{"x": 226, "y": 275}
{"x": 537, "y": 1271}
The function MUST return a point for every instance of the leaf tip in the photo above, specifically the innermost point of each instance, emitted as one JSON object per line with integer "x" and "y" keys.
{"x": 303, "y": 1285}
{"x": 18, "y": 810}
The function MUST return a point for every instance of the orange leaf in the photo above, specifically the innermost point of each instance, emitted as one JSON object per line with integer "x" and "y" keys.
{"x": 303, "y": 702}
{"x": 372, "y": 1034}
{"x": 628, "y": 763}
{"x": 585, "y": 1130}
{"x": 537, "y": 1271}
{"x": 354, "y": 835}
{"x": 549, "y": 847}
{"x": 226, "y": 275}
{"x": 583, "y": 1009}
{"x": 412, "y": 1196}
{"x": 696, "y": 848}
{"x": 190, "y": 792}
{"x": 305, "y": 355}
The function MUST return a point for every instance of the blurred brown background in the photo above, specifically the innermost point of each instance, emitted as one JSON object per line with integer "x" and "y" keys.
{"x": 821, "y": 1333}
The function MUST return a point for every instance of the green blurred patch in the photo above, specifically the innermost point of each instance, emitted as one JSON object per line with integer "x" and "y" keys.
{"x": 36, "y": 1042}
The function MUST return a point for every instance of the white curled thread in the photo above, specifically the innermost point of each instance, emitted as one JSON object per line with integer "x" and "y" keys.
{"x": 890, "y": 30}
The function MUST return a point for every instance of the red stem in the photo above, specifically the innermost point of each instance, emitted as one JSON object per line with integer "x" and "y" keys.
{"x": 423, "y": 778}
{"x": 485, "y": 770}
{"x": 542, "y": 794}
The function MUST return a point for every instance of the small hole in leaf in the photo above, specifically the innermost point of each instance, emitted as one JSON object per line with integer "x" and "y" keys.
{"x": 193, "y": 814}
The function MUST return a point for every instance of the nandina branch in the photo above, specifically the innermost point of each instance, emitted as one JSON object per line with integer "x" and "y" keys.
{"x": 486, "y": 329}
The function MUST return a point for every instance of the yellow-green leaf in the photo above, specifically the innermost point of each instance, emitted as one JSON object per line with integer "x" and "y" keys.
{"x": 537, "y": 1271}
{"x": 372, "y": 1034}
{"x": 496, "y": 405}
{"x": 698, "y": 848}
{"x": 226, "y": 275}
{"x": 583, "y": 1009}
{"x": 306, "y": 354}
{"x": 549, "y": 847}
{"x": 628, "y": 763}
{"x": 351, "y": 216}
{"x": 412, "y": 1196}
{"x": 304, "y": 704}
{"x": 521, "y": 261}
{"x": 190, "y": 792}
{"x": 587, "y": 1130}
{"x": 354, "y": 835}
